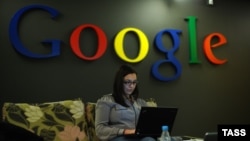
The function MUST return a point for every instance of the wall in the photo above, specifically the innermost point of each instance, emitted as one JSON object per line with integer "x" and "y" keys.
{"x": 206, "y": 94}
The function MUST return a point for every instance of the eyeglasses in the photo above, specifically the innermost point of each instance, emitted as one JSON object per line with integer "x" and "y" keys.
{"x": 129, "y": 82}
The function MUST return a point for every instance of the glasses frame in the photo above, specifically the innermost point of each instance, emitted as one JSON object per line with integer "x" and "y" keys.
{"x": 129, "y": 82}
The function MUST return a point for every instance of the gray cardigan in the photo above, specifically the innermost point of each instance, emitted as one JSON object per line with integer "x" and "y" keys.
{"x": 112, "y": 118}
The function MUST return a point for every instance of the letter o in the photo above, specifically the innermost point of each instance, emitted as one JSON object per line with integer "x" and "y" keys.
{"x": 144, "y": 46}
{"x": 102, "y": 42}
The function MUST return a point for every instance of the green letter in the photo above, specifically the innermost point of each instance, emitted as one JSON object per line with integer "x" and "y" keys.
{"x": 192, "y": 39}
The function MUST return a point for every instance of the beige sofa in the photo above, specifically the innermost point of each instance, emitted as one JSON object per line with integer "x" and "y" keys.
{"x": 67, "y": 120}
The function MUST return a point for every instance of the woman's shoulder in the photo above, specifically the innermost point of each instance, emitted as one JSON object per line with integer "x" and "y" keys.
{"x": 106, "y": 100}
{"x": 141, "y": 101}
{"x": 107, "y": 97}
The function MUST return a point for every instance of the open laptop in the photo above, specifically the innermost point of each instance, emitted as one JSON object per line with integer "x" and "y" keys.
{"x": 211, "y": 136}
{"x": 151, "y": 120}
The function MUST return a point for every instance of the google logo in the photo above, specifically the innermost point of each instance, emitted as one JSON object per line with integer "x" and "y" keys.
{"x": 118, "y": 43}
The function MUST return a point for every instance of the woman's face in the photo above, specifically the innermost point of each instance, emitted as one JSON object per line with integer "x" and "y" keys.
{"x": 129, "y": 83}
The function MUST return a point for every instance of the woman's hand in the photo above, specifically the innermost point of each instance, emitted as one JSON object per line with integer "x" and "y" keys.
{"x": 129, "y": 131}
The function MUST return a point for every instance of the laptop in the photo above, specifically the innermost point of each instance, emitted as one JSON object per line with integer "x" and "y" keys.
{"x": 151, "y": 120}
{"x": 210, "y": 136}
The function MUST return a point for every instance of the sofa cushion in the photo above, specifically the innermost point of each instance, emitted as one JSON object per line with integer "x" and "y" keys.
{"x": 151, "y": 102}
{"x": 54, "y": 121}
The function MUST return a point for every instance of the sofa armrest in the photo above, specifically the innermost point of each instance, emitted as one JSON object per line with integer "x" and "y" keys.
{"x": 90, "y": 118}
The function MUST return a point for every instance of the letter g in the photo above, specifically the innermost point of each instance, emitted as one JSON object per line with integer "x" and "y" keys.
{"x": 16, "y": 42}
{"x": 169, "y": 55}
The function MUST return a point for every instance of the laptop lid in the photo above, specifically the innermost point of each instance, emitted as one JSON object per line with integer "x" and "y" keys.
{"x": 151, "y": 120}
{"x": 210, "y": 136}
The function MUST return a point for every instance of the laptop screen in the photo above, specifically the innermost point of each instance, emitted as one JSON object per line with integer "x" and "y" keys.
{"x": 151, "y": 120}
{"x": 210, "y": 136}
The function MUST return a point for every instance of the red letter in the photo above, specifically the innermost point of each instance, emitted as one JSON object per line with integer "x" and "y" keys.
{"x": 208, "y": 47}
{"x": 102, "y": 42}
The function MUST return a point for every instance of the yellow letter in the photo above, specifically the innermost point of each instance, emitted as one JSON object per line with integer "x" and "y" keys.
{"x": 144, "y": 47}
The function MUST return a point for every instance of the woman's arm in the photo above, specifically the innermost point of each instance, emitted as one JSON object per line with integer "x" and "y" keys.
{"x": 103, "y": 130}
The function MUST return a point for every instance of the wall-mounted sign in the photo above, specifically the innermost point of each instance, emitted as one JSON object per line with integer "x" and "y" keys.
{"x": 118, "y": 43}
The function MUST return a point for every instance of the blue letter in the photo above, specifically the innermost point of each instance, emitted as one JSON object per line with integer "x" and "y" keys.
{"x": 169, "y": 55}
{"x": 15, "y": 40}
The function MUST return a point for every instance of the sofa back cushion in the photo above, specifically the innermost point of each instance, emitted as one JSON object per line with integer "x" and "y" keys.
{"x": 151, "y": 102}
{"x": 54, "y": 121}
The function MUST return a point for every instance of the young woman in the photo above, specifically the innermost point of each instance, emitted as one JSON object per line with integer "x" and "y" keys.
{"x": 117, "y": 113}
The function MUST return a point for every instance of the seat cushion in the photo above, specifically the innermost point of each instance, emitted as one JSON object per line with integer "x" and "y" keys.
{"x": 54, "y": 121}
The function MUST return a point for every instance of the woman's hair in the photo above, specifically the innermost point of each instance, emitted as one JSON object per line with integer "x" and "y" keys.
{"x": 118, "y": 90}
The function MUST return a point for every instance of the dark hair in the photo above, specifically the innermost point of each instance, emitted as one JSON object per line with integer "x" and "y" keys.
{"x": 118, "y": 90}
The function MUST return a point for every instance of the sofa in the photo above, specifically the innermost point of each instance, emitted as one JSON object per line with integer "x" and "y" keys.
{"x": 66, "y": 120}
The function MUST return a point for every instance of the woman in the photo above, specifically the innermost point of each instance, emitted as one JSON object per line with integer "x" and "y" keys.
{"x": 117, "y": 113}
